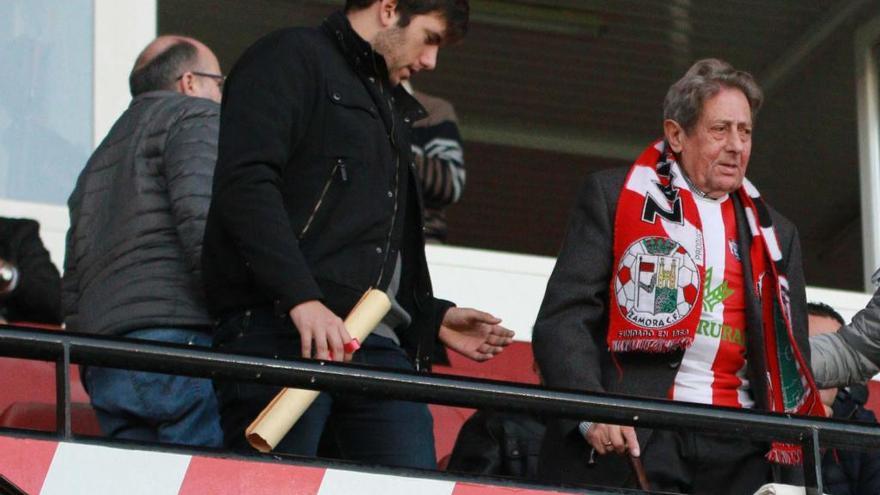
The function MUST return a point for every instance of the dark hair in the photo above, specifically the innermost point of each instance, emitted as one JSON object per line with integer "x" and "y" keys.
{"x": 822, "y": 309}
{"x": 685, "y": 99}
{"x": 163, "y": 71}
{"x": 455, "y": 12}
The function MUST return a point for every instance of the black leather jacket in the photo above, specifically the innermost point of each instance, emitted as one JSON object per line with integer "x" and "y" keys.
{"x": 314, "y": 195}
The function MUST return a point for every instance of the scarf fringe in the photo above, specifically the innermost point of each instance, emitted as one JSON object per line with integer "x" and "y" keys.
{"x": 651, "y": 345}
{"x": 786, "y": 454}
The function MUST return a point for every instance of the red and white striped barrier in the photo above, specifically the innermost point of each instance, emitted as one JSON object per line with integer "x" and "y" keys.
{"x": 51, "y": 468}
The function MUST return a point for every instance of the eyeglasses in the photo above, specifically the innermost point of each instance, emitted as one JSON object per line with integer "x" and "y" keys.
{"x": 219, "y": 78}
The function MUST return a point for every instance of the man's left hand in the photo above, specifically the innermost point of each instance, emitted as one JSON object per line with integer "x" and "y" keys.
{"x": 474, "y": 334}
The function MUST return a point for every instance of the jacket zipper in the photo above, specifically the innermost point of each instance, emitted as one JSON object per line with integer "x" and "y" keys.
{"x": 340, "y": 166}
{"x": 396, "y": 190}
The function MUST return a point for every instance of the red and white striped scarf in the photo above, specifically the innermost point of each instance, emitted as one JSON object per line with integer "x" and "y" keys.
{"x": 659, "y": 268}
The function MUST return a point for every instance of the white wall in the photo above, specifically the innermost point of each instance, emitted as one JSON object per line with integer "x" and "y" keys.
{"x": 510, "y": 286}
{"x": 122, "y": 29}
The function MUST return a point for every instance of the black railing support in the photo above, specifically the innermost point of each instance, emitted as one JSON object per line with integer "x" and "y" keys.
{"x": 812, "y": 456}
{"x": 62, "y": 393}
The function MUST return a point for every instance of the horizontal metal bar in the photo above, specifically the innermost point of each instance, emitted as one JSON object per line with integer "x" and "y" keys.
{"x": 439, "y": 389}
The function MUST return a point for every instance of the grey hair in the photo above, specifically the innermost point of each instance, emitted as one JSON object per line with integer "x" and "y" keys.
{"x": 684, "y": 100}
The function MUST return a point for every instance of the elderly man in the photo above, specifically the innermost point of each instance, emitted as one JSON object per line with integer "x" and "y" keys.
{"x": 315, "y": 201}
{"x": 667, "y": 286}
{"x": 133, "y": 262}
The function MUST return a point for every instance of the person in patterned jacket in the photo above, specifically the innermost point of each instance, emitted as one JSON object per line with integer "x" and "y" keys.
{"x": 439, "y": 158}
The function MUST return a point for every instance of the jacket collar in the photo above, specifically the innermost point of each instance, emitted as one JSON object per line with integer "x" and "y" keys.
{"x": 357, "y": 51}
{"x": 410, "y": 108}
{"x": 368, "y": 62}
{"x": 159, "y": 93}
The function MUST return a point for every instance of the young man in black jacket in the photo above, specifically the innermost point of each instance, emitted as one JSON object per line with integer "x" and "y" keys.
{"x": 314, "y": 202}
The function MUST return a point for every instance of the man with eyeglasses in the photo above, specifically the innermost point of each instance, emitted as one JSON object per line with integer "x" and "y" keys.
{"x": 220, "y": 79}
{"x": 133, "y": 261}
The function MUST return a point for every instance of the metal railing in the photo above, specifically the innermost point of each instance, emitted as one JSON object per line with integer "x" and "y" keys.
{"x": 66, "y": 348}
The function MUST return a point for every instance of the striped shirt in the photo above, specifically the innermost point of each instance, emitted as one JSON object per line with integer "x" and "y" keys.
{"x": 713, "y": 370}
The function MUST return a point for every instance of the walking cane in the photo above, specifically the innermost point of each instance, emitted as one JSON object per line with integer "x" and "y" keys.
{"x": 639, "y": 469}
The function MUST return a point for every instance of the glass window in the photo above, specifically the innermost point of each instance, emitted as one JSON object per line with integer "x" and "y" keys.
{"x": 45, "y": 97}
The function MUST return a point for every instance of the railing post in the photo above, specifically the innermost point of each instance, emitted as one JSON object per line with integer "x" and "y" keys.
{"x": 62, "y": 392}
{"x": 812, "y": 463}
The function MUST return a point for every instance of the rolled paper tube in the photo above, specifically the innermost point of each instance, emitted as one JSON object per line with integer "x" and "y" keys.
{"x": 288, "y": 406}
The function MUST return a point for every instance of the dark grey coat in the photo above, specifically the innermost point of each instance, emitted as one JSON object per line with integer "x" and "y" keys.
{"x": 569, "y": 335}
{"x": 137, "y": 216}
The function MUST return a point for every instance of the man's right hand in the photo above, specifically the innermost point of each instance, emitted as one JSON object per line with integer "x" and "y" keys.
{"x": 319, "y": 326}
{"x": 613, "y": 438}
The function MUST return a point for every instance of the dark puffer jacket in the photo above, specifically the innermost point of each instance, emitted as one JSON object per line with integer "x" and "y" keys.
{"x": 137, "y": 216}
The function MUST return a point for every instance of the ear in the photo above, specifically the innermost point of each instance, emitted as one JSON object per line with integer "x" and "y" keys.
{"x": 674, "y": 134}
{"x": 186, "y": 84}
{"x": 388, "y": 15}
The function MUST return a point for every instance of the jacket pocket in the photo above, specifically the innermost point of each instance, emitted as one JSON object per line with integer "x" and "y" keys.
{"x": 338, "y": 173}
{"x": 352, "y": 121}
{"x": 351, "y": 97}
